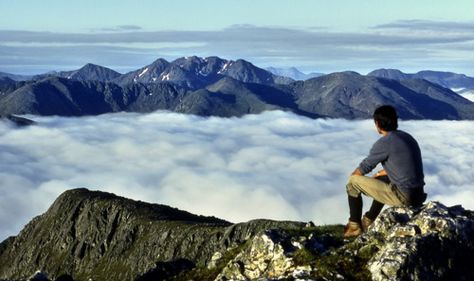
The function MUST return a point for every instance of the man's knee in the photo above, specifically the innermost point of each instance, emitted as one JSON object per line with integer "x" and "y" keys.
{"x": 351, "y": 188}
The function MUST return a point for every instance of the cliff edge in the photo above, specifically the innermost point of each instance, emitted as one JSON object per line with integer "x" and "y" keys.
{"x": 92, "y": 235}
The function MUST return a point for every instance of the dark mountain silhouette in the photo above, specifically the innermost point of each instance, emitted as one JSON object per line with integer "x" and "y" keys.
{"x": 89, "y": 72}
{"x": 351, "y": 95}
{"x": 196, "y": 73}
{"x": 17, "y": 121}
{"x": 61, "y": 96}
{"x": 7, "y": 85}
{"x": 15, "y": 77}
{"x": 148, "y": 74}
{"x": 341, "y": 95}
{"x": 446, "y": 79}
{"x": 214, "y": 86}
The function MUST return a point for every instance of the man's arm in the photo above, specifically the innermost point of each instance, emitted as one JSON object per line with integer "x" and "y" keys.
{"x": 378, "y": 153}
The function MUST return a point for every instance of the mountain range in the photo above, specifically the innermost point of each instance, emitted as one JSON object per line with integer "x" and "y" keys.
{"x": 217, "y": 87}
{"x": 446, "y": 79}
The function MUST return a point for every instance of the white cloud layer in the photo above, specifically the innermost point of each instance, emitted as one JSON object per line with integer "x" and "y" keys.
{"x": 275, "y": 165}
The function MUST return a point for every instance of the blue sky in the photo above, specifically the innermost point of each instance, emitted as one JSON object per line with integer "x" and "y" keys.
{"x": 321, "y": 36}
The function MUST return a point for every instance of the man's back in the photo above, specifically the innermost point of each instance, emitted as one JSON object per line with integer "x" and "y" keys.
{"x": 404, "y": 166}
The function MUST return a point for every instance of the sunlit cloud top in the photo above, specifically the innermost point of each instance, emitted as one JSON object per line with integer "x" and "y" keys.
{"x": 275, "y": 165}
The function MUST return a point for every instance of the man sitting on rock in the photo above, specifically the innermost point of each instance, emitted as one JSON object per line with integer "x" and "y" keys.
{"x": 399, "y": 183}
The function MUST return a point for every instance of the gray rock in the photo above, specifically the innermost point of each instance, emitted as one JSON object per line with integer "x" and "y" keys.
{"x": 430, "y": 243}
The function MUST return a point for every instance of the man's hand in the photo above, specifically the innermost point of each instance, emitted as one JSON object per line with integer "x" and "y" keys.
{"x": 357, "y": 172}
{"x": 380, "y": 173}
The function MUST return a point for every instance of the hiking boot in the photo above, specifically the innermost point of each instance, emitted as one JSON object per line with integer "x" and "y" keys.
{"x": 366, "y": 222}
{"x": 352, "y": 229}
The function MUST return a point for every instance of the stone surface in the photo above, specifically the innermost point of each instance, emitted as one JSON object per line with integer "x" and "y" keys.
{"x": 429, "y": 243}
{"x": 87, "y": 235}
{"x": 101, "y": 236}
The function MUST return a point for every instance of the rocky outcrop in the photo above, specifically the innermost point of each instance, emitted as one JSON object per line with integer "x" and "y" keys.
{"x": 433, "y": 242}
{"x": 272, "y": 255}
{"x": 100, "y": 236}
{"x": 18, "y": 121}
{"x": 90, "y": 235}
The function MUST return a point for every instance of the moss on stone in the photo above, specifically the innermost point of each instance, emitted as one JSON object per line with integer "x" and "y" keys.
{"x": 205, "y": 273}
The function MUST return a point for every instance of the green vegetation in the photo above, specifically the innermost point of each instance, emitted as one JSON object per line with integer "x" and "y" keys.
{"x": 343, "y": 257}
{"x": 204, "y": 273}
{"x": 352, "y": 267}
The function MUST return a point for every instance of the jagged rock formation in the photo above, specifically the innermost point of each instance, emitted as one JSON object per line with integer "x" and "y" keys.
{"x": 196, "y": 72}
{"x": 433, "y": 242}
{"x": 88, "y": 235}
{"x": 97, "y": 235}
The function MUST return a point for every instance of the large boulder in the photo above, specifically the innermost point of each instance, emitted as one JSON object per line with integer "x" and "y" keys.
{"x": 433, "y": 242}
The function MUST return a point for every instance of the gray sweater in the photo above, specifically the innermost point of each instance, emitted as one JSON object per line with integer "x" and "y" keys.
{"x": 400, "y": 156}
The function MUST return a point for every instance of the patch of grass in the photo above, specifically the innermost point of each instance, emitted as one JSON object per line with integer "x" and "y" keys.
{"x": 344, "y": 257}
{"x": 335, "y": 230}
{"x": 204, "y": 273}
{"x": 304, "y": 257}
{"x": 349, "y": 261}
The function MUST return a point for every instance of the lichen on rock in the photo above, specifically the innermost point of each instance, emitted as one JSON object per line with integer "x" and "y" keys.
{"x": 428, "y": 243}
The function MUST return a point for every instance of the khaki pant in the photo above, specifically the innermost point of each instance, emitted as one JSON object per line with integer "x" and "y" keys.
{"x": 383, "y": 192}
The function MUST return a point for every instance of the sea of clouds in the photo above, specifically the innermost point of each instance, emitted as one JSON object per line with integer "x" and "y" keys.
{"x": 275, "y": 165}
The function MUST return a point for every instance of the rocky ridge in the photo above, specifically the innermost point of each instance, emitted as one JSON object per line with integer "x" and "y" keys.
{"x": 98, "y": 236}
{"x": 446, "y": 79}
{"x": 429, "y": 243}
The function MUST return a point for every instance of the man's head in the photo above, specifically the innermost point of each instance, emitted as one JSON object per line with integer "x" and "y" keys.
{"x": 385, "y": 118}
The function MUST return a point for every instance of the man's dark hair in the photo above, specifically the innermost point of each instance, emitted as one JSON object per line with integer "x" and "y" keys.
{"x": 386, "y": 118}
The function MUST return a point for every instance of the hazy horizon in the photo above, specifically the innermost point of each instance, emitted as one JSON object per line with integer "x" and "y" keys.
{"x": 37, "y": 37}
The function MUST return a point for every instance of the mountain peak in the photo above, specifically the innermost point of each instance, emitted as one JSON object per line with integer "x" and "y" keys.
{"x": 389, "y": 74}
{"x": 100, "y": 236}
{"x": 91, "y": 72}
{"x": 91, "y": 65}
{"x": 85, "y": 197}
{"x": 446, "y": 79}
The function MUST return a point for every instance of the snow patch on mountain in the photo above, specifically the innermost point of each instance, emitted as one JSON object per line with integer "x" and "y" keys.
{"x": 466, "y": 93}
{"x": 143, "y": 72}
